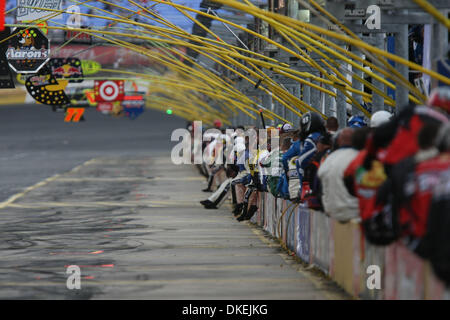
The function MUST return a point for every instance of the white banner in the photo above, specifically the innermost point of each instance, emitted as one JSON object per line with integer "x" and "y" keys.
{"x": 26, "y": 9}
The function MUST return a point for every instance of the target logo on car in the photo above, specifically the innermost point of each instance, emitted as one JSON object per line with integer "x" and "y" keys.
{"x": 109, "y": 90}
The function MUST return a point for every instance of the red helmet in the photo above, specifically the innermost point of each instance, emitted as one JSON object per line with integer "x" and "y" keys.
{"x": 217, "y": 124}
{"x": 440, "y": 98}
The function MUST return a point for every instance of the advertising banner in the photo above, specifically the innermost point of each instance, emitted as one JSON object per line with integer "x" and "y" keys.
{"x": 2, "y": 15}
{"x": 109, "y": 90}
{"x": 30, "y": 10}
{"x": 45, "y": 89}
{"x": 28, "y": 50}
{"x": 67, "y": 68}
{"x": 303, "y": 234}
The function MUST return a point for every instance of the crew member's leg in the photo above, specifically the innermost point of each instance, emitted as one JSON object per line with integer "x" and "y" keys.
{"x": 214, "y": 170}
{"x": 239, "y": 185}
{"x": 217, "y": 196}
{"x": 252, "y": 207}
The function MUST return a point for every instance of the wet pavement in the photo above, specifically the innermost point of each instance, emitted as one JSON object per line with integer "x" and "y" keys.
{"x": 134, "y": 227}
{"x": 132, "y": 223}
{"x": 36, "y": 143}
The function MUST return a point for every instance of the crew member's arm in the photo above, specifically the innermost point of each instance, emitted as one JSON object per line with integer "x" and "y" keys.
{"x": 293, "y": 151}
{"x": 308, "y": 151}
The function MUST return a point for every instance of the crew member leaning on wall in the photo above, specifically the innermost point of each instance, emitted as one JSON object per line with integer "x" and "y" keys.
{"x": 393, "y": 176}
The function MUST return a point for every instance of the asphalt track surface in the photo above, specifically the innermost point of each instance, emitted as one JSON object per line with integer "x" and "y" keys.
{"x": 104, "y": 195}
{"x": 36, "y": 143}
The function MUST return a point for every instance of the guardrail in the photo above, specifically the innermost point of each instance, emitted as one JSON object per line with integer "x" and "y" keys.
{"x": 341, "y": 252}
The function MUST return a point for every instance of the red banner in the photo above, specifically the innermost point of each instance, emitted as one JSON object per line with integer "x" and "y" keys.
{"x": 2, "y": 15}
{"x": 107, "y": 55}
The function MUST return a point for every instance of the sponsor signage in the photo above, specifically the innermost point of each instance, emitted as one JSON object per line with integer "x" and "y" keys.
{"x": 133, "y": 102}
{"x": 133, "y": 105}
{"x": 45, "y": 89}
{"x": 105, "y": 106}
{"x": 107, "y": 55}
{"x": 67, "y": 68}
{"x": 2, "y": 15}
{"x": 109, "y": 90}
{"x": 77, "y": 37}
{"x": 32, "y": 10}
{"x": 90, "y": 67}
{"x": 28, "y": 50}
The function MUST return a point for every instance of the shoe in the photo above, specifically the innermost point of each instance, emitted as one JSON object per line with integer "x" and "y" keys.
{"x": 207, "y": 190}
{"x": 206, "y": 202}
{"x": 244, "y": 212}
{"x": 211, "y": 206}
{"x": 238, "y": 209}
{"x": 249, "y": 214}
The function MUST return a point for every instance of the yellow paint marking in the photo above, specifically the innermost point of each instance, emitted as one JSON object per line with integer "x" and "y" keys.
{"x": 81, "y": 179}
{"x": 86, "y": 163}
{"x": 16, "y": 196}
{"x": 168, "y": 281}
{"x": 171, "y": 202}
{"x": 49, "y": 204}
{"x": 180, "y": 178}
{"x": 87, "y": 204}
{"x": 178, "y": 267}
{"x": 118, "y": 179}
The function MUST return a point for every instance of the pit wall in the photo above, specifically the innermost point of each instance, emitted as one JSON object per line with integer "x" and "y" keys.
{"x": 341, "y": 252}
{"x": 13, "y": 96}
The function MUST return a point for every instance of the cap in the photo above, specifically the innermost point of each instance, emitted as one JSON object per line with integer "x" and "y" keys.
{"x": 286, "y": 128}
{"x": 379, "y": 117}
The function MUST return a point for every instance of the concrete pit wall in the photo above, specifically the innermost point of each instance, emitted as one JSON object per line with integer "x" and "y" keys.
{"x": 341, "y": 252}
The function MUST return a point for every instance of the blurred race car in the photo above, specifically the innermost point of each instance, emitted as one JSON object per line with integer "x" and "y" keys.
{"x": 81, "y": 97}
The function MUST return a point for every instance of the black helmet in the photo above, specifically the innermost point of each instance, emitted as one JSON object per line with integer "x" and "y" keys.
{"x": 311, "y": 122}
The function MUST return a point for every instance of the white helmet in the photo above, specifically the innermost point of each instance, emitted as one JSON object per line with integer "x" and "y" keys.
{"x": 379, "y": 117}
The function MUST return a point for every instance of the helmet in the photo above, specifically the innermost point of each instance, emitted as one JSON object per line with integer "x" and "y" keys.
{"x": 311, "y": 122}
{"x": 356, "y": 122}
{"x": 440, "y": 98}
{"x": 379, "y": 117}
